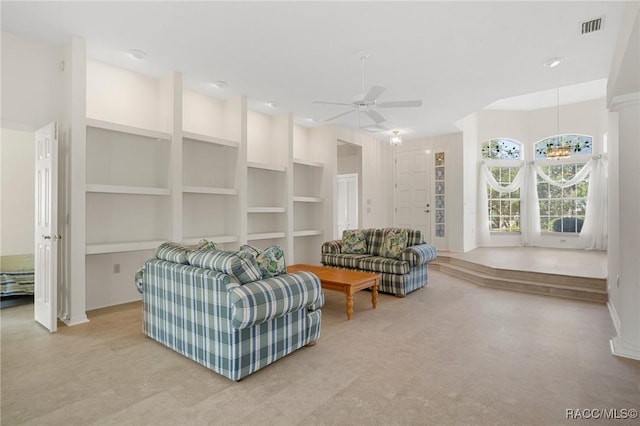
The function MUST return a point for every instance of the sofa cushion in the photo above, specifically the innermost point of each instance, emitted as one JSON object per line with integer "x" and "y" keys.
{"x": 414, "y": 237}
{"x": 395, "y": 241}
{"x": 250, "y": 249}
{"x": 173, "y": 252}
{"x": 354, "y": 241}
{"x": 240, "y": 265}
{"x": 207, "y": 245}
{"x": 383, "y": 264}
{"x": 264, "y": 300}
{"x": 375, "y": 241}
{"x": 351, "y": 261}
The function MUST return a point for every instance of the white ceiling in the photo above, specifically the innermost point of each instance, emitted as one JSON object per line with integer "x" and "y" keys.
{"x": 458, "y": 57}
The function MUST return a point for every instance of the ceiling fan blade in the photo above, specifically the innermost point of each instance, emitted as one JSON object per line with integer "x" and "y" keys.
{"x": 375, "y": 116}
{"x": 330, "y": 103}
{"x": 374, "y": 93}
{"x": 339, "y": 115}
{"x": 399, "y": 104}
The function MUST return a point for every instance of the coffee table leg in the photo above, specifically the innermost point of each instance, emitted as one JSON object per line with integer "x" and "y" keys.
{"x": 374, "y": 295}
{"x": 349, "y": 304}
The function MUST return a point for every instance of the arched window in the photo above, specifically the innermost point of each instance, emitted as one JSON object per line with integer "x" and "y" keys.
{"x": 504, "y": 207}
{"x": 578, "y": 144}
{"x": 501, "y": 149}
{"x": 562, "y": 209}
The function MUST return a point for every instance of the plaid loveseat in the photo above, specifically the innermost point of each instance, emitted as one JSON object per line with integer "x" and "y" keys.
{"x": 399, "y": 276}
{"x": 209, "y": 306}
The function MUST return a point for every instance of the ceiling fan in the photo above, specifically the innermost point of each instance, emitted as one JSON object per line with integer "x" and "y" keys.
{"x": 368, "y": 103}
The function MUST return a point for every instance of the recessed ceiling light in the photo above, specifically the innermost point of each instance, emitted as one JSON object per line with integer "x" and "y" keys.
{"x": 553, "y": 62}
{"x": 219, "y": 84}
{"x": 137, "y": 54}
{"x": 273, "y": 104}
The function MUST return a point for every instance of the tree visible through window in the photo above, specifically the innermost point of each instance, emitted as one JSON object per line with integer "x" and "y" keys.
{"x": 504, "y": 207}
{"x": 562, "y": 209}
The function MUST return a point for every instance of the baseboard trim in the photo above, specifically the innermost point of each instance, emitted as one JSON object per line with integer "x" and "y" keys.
{"x": 622, "y": 349}
{"x": 614, "y": 317}
{"x": 70, "y": 322}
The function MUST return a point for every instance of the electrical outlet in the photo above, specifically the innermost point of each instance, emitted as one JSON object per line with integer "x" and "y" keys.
{"x": 116, "y": 268}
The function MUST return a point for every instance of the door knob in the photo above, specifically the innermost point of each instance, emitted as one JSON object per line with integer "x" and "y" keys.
{"x": 52, "y": 237}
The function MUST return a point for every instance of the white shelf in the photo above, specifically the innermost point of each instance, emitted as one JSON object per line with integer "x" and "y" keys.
{"x": 266, "y": 209}
{"x": 121, "y": 189}
{"x": 307, "y": 163}
{"x": 122, "y": 128}
{"x": 265, "y": 236}
{"x": 209, "y": 190}
{"x": 302, "y": 199}
{"x": 307, "y": 233}
{"x": 209, "y": 139}
{"x": 121, "y": 247}
{"x": 262, "y": 166}
{"x": 219, "y": 239}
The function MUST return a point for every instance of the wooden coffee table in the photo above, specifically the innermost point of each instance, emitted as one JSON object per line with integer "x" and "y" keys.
{"x": 343, "y": 280}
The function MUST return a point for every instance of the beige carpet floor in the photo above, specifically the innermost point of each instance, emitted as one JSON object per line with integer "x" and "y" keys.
{"x": 451, "y": 353}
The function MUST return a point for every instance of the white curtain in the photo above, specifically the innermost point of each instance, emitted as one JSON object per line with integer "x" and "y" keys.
{"x": 483, "y": 211}
{"x": 594, "y": 230}
{"x": 530, "y": 208}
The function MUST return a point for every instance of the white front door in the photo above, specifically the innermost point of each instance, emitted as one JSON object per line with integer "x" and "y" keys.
{"x": 413, "y": 191}
{"x": 46, "y": 233}
{"x": 347, "y": 205}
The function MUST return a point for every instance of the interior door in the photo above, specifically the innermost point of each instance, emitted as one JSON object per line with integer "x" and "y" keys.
{"x": 347, "y": 205}
{"x": 413, "y": 191}
{"x": 46, "y": 232}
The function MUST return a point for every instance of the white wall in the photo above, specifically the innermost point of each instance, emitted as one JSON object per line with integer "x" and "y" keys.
{"x": 31, "y": 83}
{"x": 17, "y": 188}
{"x": 376, "y": 191}
{"x": 623, "y": 94}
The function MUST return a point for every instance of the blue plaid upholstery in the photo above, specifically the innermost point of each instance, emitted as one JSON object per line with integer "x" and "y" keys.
{"x": 398, "y": 276}
{"x": 384, "y": 264}
{"x": 343, "y": 260}
{"x": 239, "y": 265}
{"x": 259, "y": 301}
{"x": 189, "y": 309}
{"x": 172, "y": 252}
{"x": 332, "y": 247}
{"x": 419, "y": 254}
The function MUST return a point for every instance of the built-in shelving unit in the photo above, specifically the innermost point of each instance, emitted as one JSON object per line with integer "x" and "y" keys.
{"x": 164, "y": 163}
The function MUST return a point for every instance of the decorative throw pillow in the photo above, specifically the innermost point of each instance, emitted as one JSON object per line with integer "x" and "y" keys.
{"x": 354, "y": 242}
{"x": 250, "y": 249}
{"x": 207, "y": 245}
{"x": 395, "y": 241}
{"x": 240, "y": 265}
{"x": 172, "y": 252}
{"x": 271, "y": 262}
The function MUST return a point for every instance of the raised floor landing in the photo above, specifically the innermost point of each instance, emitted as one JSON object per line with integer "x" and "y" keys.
{"x": 574, "y": 274}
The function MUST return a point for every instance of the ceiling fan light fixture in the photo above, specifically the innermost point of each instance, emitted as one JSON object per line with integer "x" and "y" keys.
{"x": 136, "y": 54}
{"x": 553, "y": 62}
{"x": 219, "y": 84}
{"x": 395, "y": 139}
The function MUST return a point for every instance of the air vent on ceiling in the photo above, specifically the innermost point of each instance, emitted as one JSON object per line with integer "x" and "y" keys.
{"x": 591, "y": 26}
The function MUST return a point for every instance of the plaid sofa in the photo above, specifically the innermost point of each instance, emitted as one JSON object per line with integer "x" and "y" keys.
{"x": 227, "y": 321}
{"x": 398, "y": 276}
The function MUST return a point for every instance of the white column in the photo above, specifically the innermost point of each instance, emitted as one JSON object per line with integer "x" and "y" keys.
{"x": 625, "y": 285}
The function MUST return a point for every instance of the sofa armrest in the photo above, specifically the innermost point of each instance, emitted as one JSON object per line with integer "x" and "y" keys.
{"x": 332, "y": 247}
{"x": 260, "y": 301}
{"x": 419, "y": 254}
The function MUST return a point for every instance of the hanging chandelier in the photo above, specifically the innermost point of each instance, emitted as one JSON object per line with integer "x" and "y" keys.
{"x": 560, "y": 149}
{"x": 395, "y": 139}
